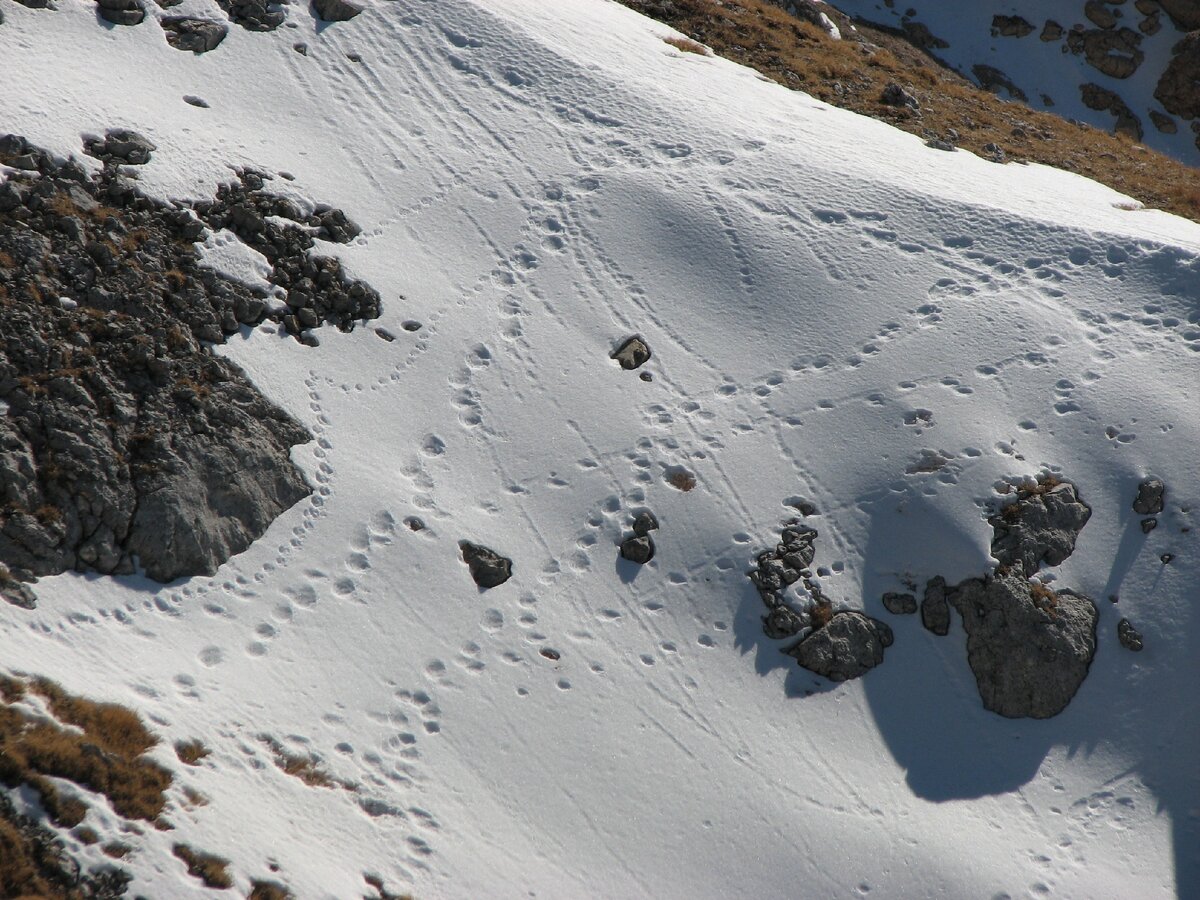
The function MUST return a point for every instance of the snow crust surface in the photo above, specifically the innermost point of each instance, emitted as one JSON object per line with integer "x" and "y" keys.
{"x": 536, "y": 182}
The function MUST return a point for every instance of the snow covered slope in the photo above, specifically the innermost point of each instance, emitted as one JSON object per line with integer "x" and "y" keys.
{"x": 1073, "y": 58}
{"x": 826, "y": 299}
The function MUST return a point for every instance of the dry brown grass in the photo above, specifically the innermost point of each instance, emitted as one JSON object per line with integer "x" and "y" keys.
{"x": 687, "y": 46}
{"x": 306, "y": 768}
{"x": 381, "y": 892}
{"x": 820, "y": 613}
{"x": 681, "y": 479}
{"x": 191, "y": 752}
{"x": 852, "y": 75}
{"x": 212, "y": 870}
{"x": 103, "y": 752}
{"x": 269, "y": 890}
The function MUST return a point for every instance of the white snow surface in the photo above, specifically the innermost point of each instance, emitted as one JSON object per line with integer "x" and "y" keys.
{"x": 537, "y": 181}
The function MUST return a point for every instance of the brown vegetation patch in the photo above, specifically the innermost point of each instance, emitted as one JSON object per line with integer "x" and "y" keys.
{"x": 103, "y": 752}
{"x": 305, "y": 767}
{"x": 851, "y": 73}
{"x": 269, "y": 890}
{"x": 191, "y": 752}
{"x": 687, "y": 46}
{"x": 212, "y": 870}
{"x": 680, "y": 478}
{"x": 381, "y": 892}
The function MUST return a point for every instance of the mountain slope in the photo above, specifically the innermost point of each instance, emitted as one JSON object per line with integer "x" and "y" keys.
{"x": 827, "y": 301}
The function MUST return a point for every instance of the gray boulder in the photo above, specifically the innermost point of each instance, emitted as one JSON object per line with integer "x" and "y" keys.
{"x": 1029, "y": 648}
{"x": 1149, "y": 498}
{"x": 1130, "y": 637}
{"x": 935, "y": 611}
{"x": 631, "y": 354}
{"x": 16, "y": 593}
{"x": 336, "y": 10}
{"x": 1040, "y": 526}
{"x": 638, "y": 549}
{"x": 899, "y": 604}
{"x": 849, "y": 646}
{"x": 195, "y": 35}
{"x": 488, "y": 568}
{"x": 122, "y": 145}
{"x": 644, "y": 523}
{"x": 121, "y": 12}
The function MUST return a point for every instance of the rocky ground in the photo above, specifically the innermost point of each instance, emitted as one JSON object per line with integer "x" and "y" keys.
{"x": 126, "y": 441}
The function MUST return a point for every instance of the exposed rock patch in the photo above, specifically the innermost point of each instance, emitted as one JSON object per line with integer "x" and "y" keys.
{"x": 1029, "y": 647}
{"x": 638, "y": 549}
{"x": 992, "y": 79}
{"x": 935, "y": 611}
{"x": 1010, "y": 26}
{"x": 195, "y": 35}
{"x": 899, "y": 604}
{"x": 1100, "y": 98}
{"x": 121, "y": 12}
{"x": 488, "y": 568}
{"x": 125, "y": 440}
{"x": 1039, "y": 526}
{"x": 849, "y": 646}
{"x": 253, "y": 15}
{"x": 336, "y": 10}
{"x": 1115, "y": 53}
{"x": 120, "y": 145}
{"x": 1130, "y": 637}
{"x": 1185, "y": 14}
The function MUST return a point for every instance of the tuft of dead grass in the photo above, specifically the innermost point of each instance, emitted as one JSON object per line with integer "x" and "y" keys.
{"x": 210, "y": 869}
{"x": 103, "y": 752}
{"x": 306, "y": 768}
{"x": 680, "y": 478}
{"x": 381, "y": 892}
{"x": 191, "y": 752}
{"x": 687, "y": 46}
{"x": 269, "y": 890}
{"x": 851, "y": 73}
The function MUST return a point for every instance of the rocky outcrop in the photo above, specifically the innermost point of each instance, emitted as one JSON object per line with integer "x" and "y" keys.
{"x": 899, "y": 604}
{"x": 253, "y": 15}
{"x": 992, "y": 79}
{"x": 1185, "y": 14}
{"x": 1099, "y": 98}
{"x": 848, "y": 646}
{"x": 1010, "y": 26}
{"x": 121, "y": 12}
{"x": 935, "y": 611}
{"x": 1178, "y": 90}
{"x": 1129, "y": 637}
{"x": 1100, "y": 13}
{"x": 1028, "y": 647}
{"x": 335, "y": 10}
{"x": 488, "y": 568}
{"x": 121, "y": 146}
{"x": 1115, "y": 53}
{"x": 124, "y": 440}
{"x": 195, "y": 35}
{"x": 1039, "y": 526}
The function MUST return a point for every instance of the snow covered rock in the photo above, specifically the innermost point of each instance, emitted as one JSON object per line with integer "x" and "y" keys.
{"x": 336, "y": 10}
{"x": 121, "y": 145}
{"x": 1130, "y": 637}
{"x": 632, "y": 353}
{"x": 1030, "y": 648}
{"x": 121, "y": 12}
{"x": 253, "y": 15}
{"x": 848, "y": 647}
{"x": 1040, "y": 526}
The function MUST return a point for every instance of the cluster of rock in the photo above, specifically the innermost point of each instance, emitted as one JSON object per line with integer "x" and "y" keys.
{"x": 640, "y": 547}
{"x": 1116, "y": 50}
{"x": 123, "y": 439}
{"x": 836, "y": 645}
{"x": 200, "y": 35}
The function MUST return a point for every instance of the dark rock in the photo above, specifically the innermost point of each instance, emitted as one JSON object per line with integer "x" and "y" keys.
{"x": 1152, "y": 24}
{"x": 644, "y": 523}
{"x": 995, "y": 152}
{"x": 992, "y": 79}
{"x": 899, "y": 604}
{"x": 895, "y": 95}
{"x": 196, "y": 35}
{"x": 121, "y": 12}
{"x": 1029, "y": 648}
{"x": 335, "y": 10}
{"x": 1010, "y": 26}
{"x": 488, "y": 568}
{"x": 919, "y": 35}
{"x": 631, "y": 354}
{"x": 1149, "y": 498}
{"x": 16, "y": 593}
{"x": 1100, "y": 14}
{"x": 935, "y": 611}
{"x": 1115, "y": 53}
{"x": 646, "y": 376}
{"x": 1185, "y": 14}
{"x": 1148, "y": 525}
{"x": 1166, "y": 558}
{"x": 123, "y": 146}
{"x": 1130, "y": 637}
{"x": 253, "y": 15}
{"x": 638, "y": 549}
{"x": 781, "y": 622}
{"x": 1051, "y": 31}
{"x": 550, "y": 654}
{"x": 849, "y": 646}
{"x": 938, "y": 144}
{"x": 195, "y": 101}
{"x": 1163, "y": 122}
{"x": 1040, "y": 526}
{"x": 1102, "y": 99}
